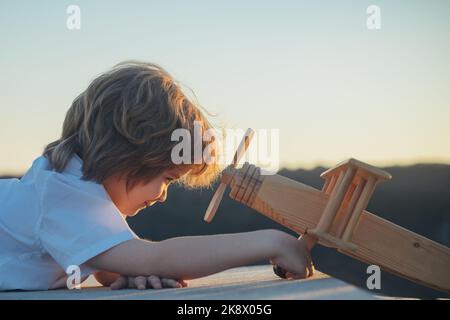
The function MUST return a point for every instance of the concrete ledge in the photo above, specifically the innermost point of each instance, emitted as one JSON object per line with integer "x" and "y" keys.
{"x": 245, "y": 283}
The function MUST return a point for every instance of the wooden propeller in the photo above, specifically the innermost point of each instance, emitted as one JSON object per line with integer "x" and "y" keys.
{"x": 215, "y": 201}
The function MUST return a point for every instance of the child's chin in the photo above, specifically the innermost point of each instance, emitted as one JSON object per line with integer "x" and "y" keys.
{"x": 132, "y": 214}
{"x": 138, "y": 210}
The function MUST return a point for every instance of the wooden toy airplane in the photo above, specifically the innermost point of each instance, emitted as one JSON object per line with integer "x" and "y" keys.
{"x": 336, "y": 216}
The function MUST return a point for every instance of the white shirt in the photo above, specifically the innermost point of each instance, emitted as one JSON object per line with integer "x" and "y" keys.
{"x": 50, "y": 221}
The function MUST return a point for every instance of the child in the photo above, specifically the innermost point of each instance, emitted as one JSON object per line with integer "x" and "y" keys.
{"x": 112, "y": 160}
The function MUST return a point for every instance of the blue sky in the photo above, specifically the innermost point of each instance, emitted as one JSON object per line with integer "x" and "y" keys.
{"x": 311, "y": 69}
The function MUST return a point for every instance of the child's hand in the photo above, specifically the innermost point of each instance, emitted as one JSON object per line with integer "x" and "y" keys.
{"x": 142, "y": 283}
{"x": 295, "y": 260}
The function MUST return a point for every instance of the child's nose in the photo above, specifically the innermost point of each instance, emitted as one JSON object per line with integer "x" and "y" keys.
{"x": 163, "y": 196}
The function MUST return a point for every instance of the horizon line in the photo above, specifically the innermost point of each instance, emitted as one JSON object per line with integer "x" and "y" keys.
{"x": 311, "y": 167}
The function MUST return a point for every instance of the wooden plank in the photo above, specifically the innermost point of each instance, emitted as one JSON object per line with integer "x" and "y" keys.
{"x": 363, "y": 201}
{"x": 243, "y": 283}
{"x": 336, "y": 198}
{"x": 366, "y": 169}
{"x": 393, "y": 248}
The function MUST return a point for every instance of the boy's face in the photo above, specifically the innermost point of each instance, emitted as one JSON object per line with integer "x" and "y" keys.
{"x": 142, "y": 195}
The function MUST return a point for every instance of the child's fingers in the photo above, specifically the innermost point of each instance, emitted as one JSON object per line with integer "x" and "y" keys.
{"x": 121, "y": 282}
{"x": 308, "y": 272}
{"x": 171, "y": 283}
{"x": 309, "y": 240}
{"x": 279, "y": 271}
{"x": 302, "y": 275}
{"x": 140, "y": 282}
{"x": 311, "y": 270}
{"x": 183, "y": 283}
{"x": 310, "y": 266}
{"x": 131, "y": 282}
{"x": 155, "y": 282}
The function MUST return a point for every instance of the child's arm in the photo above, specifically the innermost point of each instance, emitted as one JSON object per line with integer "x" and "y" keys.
{"x": 106, "y": 278}
{"x": 198, "y": 256}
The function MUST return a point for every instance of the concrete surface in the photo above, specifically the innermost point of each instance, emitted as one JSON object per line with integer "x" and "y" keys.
{"x": 256, "y": 282}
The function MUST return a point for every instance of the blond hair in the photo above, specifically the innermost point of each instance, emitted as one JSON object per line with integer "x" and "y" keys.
{"x": 122, "y": 123}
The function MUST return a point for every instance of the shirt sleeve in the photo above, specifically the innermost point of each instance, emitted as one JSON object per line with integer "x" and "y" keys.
{"x": 79, "y": 220}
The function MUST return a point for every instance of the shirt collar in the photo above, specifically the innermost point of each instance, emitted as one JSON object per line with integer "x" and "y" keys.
{"x": 74, "y": 166}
